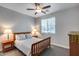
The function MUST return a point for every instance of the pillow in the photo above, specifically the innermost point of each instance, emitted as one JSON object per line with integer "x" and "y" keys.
{"x": 28, "y": 36}
{"x": 17, "y": 37}
{"x": 20, "y": 37}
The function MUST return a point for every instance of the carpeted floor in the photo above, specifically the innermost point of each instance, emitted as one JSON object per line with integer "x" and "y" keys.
{"x": 53, "y": 51}
{"x": 13, "y": 52}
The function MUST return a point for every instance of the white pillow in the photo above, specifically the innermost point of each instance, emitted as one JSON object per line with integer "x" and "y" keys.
{"x": 20, "y": 37}
{"x": 17, "y": 37}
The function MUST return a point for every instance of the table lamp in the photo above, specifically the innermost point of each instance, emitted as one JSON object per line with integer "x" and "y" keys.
{"x": 35, "y": 32}
{"x": 7, "y": 32}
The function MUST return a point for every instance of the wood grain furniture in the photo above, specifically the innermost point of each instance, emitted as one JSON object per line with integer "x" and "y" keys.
{"x": 7, "y": 45}
{"x": 74, "y": 43}
{"x": 35, "y": 36}
{"x": 38, "y": 47}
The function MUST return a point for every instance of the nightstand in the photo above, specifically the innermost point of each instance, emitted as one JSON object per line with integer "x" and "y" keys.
{"x": 7, "y": 45}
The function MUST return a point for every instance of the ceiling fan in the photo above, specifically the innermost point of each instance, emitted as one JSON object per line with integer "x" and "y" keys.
{"x": 39, "y": 8}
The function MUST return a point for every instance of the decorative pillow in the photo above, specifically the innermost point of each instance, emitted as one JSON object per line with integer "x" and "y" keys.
{"x": 20, "y": 37}
{"x": 28, "y": 36}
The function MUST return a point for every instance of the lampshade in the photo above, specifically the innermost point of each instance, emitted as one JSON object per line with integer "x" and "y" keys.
{"x": 34, "y": 32}
{"x": 7, "y": 31}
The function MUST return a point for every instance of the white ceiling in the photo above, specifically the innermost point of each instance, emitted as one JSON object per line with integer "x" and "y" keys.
{"x": 21, "y": 7}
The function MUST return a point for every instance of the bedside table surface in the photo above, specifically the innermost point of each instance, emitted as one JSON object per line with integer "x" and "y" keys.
{"x": 6, "y": 41}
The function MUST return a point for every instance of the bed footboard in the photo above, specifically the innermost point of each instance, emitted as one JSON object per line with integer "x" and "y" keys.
{"x": 39, "y": 47}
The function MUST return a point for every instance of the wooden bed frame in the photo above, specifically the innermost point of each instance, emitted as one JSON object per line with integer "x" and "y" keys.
{"x": 38, "y": 47}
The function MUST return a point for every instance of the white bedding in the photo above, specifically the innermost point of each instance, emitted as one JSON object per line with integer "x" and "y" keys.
{"x": 25, "y": 45}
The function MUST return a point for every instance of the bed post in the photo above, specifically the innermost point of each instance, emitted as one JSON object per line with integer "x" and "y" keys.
{"x": 49, "y": 41}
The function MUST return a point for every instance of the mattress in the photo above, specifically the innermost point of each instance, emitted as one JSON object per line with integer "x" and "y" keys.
{"x": 25, "y": 45}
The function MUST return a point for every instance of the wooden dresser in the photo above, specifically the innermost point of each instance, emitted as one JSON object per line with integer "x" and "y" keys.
{"x": 74, "y": 43}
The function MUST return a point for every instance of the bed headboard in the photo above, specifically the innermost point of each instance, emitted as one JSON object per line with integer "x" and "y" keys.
{"x": 20, "y": 33}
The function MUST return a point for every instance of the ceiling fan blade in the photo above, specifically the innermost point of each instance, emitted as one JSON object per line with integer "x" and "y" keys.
{"x": 46, "y": 7}
{"x": 47, "y": 10}
{"x": 30, "y": 9}
{"x": 43, "y": 12}
{"x": 35, "y": 13}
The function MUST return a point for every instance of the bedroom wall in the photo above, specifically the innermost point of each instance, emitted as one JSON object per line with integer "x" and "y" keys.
{"x": 16, "y": 21}
{"x": 66, "y": 21}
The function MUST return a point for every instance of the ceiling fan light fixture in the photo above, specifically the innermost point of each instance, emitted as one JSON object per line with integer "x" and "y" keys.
{"x": 38, "y": 10}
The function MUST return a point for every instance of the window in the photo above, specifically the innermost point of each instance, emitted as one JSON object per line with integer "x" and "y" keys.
{"x": 48, "y": 25}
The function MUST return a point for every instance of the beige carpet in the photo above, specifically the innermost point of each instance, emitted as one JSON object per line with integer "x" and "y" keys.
{"x": 53, "y": 51}
{"x": 13, "y": 52}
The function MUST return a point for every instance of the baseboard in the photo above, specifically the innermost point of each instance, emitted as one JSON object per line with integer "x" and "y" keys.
{"x": 66, "y": 47}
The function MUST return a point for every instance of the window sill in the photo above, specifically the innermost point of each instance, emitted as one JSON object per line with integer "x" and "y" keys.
{"x": 47, "y": 33}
